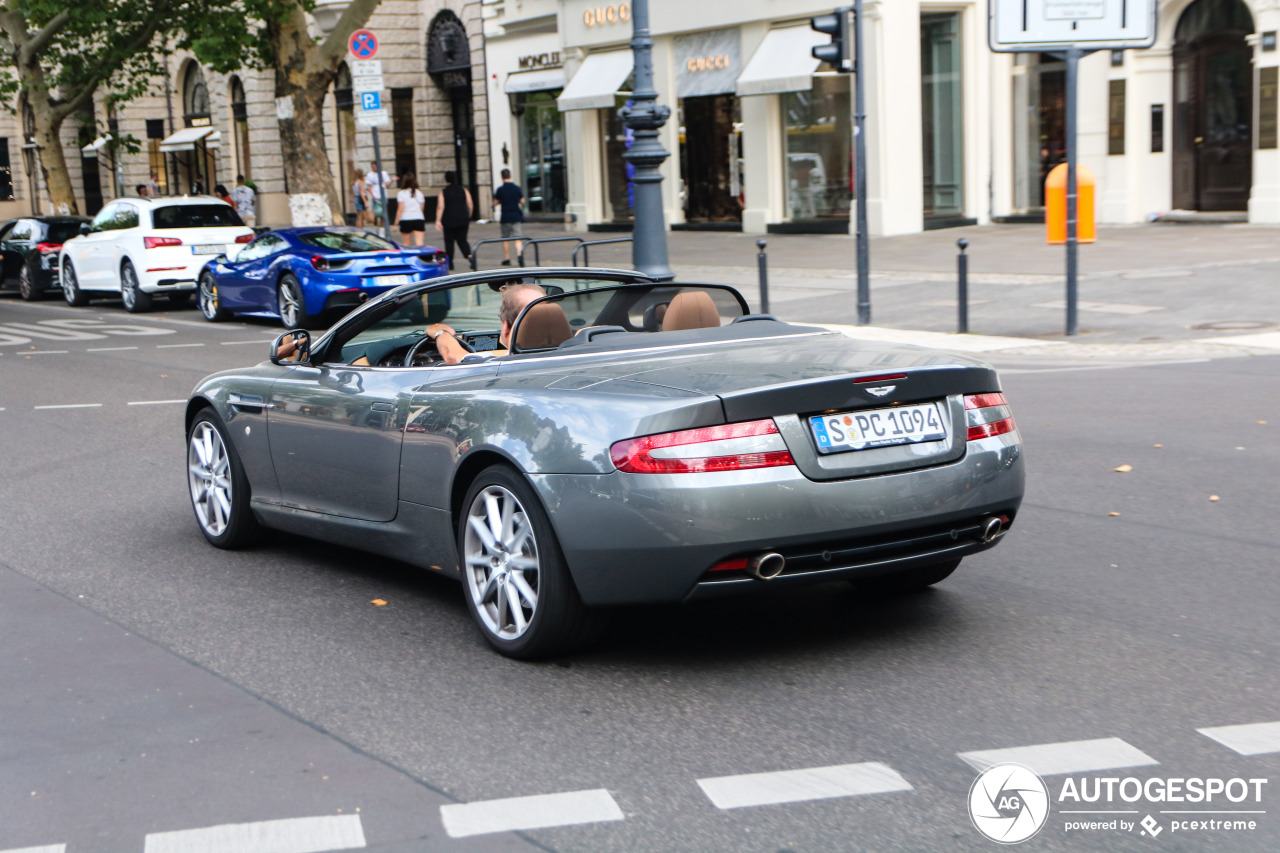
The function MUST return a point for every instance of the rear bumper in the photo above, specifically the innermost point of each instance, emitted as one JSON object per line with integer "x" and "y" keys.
{"x": 637, "y": 538}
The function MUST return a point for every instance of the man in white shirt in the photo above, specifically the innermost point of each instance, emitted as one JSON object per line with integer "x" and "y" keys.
{"x": 376, "y": 180}
{"x": 245, "y": 200}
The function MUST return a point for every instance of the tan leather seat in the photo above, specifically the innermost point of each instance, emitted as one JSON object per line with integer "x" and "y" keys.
{"x": 691, "y": 309}
{"x": 543, "y": 327}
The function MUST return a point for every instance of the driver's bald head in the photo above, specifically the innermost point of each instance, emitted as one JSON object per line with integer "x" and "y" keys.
{"x": 515, "y": 297}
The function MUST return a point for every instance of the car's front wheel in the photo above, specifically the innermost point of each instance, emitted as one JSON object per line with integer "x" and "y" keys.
{"x": 514, "y": 575}
{"x": 207, "y": 299}
{"x": 28, "y": 283}
{"x": 292, "y": 304}
{"x": 71, "y": 286}
{"x": 910, "y": 580}
{"x": 218, "y": 485}
{"x": 136, "y": 301}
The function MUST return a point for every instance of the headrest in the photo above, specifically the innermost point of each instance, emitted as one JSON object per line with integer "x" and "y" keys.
{"x": 544, "y": 326}
{"x": 691, "y": 309}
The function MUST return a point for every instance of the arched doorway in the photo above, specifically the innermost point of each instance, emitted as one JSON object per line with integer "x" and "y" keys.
{"x": 1213, "y": 107}
{"x": 449, "y": 64}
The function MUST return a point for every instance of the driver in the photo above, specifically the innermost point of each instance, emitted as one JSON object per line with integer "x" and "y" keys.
{"x": 514, "y": 299}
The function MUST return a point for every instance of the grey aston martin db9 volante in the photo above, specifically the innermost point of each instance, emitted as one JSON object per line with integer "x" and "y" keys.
{"x": 621, "y": 440}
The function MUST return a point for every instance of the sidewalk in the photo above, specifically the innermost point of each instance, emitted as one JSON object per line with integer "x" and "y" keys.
{"x": 1162, "y": 291}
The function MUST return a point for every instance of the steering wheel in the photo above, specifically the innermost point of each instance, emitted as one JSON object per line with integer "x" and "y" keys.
{"x": 413, "y": 350}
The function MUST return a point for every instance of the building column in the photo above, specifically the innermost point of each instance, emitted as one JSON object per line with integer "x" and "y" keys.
{"x": 1264, "y": 198}
{"x": 1149, "y": 188}
{"x": 895, "y": 169}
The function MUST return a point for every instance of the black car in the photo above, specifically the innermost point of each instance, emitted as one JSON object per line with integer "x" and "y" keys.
{"x": 30, "y": 247}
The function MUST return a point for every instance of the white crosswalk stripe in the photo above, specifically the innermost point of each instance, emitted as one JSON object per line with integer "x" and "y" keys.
{"x": 795, "y": 786}
{"x": 1054, "y": 759}
{"x": 293, "y": 835}
{"x": 536, "y": 812}
{"x": 1248, "y": 739}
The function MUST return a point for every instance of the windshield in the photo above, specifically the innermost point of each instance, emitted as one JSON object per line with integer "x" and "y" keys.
{"x": 347, "y": 241}
{"x": 194, "y": 216}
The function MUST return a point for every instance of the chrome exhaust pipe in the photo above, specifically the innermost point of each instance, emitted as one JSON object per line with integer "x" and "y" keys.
{"x": 991, "y": 528}
{"x": 766, "y": 566}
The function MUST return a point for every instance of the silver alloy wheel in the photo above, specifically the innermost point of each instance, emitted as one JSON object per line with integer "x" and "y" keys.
{"x": 209, "y": 477}
{"x": 290, "y": 304}
{"x": 208, "y": 297}
{"x": 25, "y": 285}
{"x": 68, "y": 276}
{"x": 128, "y": 286}
{"x": 501, "y": 569}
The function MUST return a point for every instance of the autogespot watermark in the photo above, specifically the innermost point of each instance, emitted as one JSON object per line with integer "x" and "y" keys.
{"x": 1010, "y": 803}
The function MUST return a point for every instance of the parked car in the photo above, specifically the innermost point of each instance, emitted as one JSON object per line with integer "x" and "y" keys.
{"x": 144, "y": 247}
{"x": 31, "y": 247}
{"x": 638, "y": 442}
{"x": 304, "y": 274}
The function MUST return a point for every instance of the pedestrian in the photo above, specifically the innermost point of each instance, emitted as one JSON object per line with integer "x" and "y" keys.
{"x": 360, "y": 197}
{"x": 221, "y": 192}
{"x": 409, "y": 216}
{"x": 153, "y": 186}
{"x": 377, "y": 181}
{"x": 141, "y": 189}
{"x": 453, "y": 215}
{"x": 245, "y": 201}
{"x": 197, "y": 187}
{"x": 510, "y": 197}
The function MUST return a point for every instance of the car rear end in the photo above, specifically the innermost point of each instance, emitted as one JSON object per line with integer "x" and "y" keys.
{"x": 871, "y": 462}
{"x": 344, "y": 280}
{"x": 184, "y": 234}
{"x": 47, "y": 250}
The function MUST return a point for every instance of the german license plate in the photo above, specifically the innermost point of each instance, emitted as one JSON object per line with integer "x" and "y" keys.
{"x": 391, "y": 280}
{"x": 208, "y": 249}
{"x": 868, "y": 428}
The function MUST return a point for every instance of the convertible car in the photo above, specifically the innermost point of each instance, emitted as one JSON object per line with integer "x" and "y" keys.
{"x": 636, "y": 441}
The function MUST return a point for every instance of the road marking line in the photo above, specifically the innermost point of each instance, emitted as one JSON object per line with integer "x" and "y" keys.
{"x": 71, "y": 406}
{"x": 536, "y": 812}
{"x": 176, "y": 346}
{"x": 154, "y": 402}
{"x": 48, "y": 848}
{"x": 1266, "y": 340}
{"x": 294, "y": 835}
{"x": 1053, "y": 759}
{"x": 44, "y": 352}
{"x": 1249, "y": 739}
{"x": 233, "y": 343}
{"x": 108, "y": 349}
{"x": 794, "y": 786}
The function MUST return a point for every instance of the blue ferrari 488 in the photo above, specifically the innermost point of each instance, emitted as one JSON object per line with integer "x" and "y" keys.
{"x": 310, "y": 275}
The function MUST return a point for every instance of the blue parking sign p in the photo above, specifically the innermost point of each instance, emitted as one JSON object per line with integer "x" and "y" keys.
{"x": 370, "y": 100}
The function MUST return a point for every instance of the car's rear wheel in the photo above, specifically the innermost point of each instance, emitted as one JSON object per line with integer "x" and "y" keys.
{"x": 71, "y": 286}
{"x": 207, "y": 299}
{"x": 514, "y": 575}
{"x": 135, "y": 300}
{"x": 910, "y": 580}
{"x": 292, "y": 304}
{"x": 28, "y": 283}
{"x": 218, "y": 486}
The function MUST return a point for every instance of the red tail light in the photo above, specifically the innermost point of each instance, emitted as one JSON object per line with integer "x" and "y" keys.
{"x": 440, "y": 258}
{"x": 245, "y": 238}
{"x": 988, "y": 415}
{"x": 48, "y": 248}
{"x": 731, "y": 447}
{"x": 157, "y": 242}
{"x": 320, "y": 262}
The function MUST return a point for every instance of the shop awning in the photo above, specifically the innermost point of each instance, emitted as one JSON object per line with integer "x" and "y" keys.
{"x": 597, "y": 81}
{"x": 535, "y": 81}
{"x": 186, "y": 139}
{"x": 782, "y": 63}
{"x": 92, "y": 149}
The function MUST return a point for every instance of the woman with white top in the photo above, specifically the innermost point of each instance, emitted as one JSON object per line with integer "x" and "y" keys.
{"x": 409, "y": 215}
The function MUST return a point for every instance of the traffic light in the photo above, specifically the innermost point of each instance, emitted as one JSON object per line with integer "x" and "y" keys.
{"x": 839, "y": 25}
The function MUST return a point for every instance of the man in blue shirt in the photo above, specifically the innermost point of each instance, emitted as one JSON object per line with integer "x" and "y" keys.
{"x": 510, "y": 197}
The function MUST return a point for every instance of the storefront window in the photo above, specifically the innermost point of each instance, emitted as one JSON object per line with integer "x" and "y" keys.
{"x": 942, "y": 116}
{"x": 542, "y": 151}
{"x": 819, "y": 144}
{"x": 1039, "y": 126}
{"x": 711, "y": 158}
{"x": 619, "y": 195}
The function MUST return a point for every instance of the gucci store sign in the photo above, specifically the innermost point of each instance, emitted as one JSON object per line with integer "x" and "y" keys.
{"x": 707, "y": 63}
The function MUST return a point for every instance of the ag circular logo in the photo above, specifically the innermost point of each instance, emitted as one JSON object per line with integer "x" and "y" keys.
{"x": 1008, "y": 803}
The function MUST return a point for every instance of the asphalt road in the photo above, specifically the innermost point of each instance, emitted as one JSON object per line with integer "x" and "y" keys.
{"x": 152, "y": 684}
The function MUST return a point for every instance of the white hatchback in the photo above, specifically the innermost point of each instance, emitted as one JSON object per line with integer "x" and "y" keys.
{"x": 140, "y": 247}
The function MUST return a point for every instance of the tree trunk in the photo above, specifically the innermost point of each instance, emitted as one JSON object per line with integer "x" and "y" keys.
{"x": 53, "y": 161}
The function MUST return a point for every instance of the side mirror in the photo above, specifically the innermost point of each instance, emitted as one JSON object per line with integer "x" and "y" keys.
{"x": 84, "y": 229}
{"x": 291, "y": 347}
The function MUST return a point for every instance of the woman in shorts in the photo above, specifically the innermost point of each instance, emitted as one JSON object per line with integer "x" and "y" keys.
{"x": 409, "y": 215}
{"x": 360, "y": 195}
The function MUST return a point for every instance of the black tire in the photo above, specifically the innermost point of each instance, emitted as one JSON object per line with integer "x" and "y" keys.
{"x": 558, "y": 621}
{"x": 207, "y": 299}
{"x": 71, "y": 286}
{"x": 213, "y": 471}
{"x": 180, "y": 299}
{"x": 135, "y": 300}
{"x": 290, "y": 302}
{"x": 29, "y": 283}
{"x": 910, "y": 580}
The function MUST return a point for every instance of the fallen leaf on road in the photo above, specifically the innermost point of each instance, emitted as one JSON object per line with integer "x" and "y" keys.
{"x": 1113, "y": 514}
{"x": 378, "y": 602}
{"x": 1262, "y": 422}
{"x": 1159, "y": 445}
{"x": 1214, "y": 498}
{"x": 1124, "y": 469}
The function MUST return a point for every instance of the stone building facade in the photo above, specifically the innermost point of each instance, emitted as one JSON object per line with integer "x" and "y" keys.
{"x": 197, "y": 128}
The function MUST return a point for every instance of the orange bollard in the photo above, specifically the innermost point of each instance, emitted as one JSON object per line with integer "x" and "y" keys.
{"x": 1055, "y": 205}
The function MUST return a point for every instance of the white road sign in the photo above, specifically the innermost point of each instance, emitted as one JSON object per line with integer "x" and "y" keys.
{"x": 365, "y": 67}
{"x": 373, "y": 118}
{"x": 1038, "y": 25}
{"x": 367, "y": 83}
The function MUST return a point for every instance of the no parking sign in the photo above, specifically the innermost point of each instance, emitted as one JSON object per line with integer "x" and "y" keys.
{"x": 363, "y": 44}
